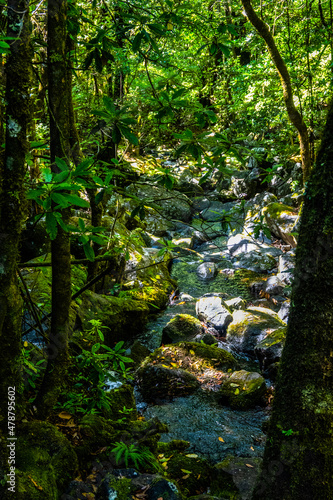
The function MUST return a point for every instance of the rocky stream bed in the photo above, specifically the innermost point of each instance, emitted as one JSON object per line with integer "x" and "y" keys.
{"x": 206, "y": 364}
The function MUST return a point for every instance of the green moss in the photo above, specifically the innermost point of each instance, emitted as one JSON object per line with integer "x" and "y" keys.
{"x": 174, "y": 445}
{"x": 275, "y": 210}
{"x": 193, "y": 356}
{"x": 152, "y": 295}
{"x": 120, "y": 398}
{"x": 119, "y": 488}
{"x": 138, "y": 353}
{"x": 181, "y": 326}
{"x": 276, "y": 337}
{"x": 243, "y": 390}
{"x": 44, "y": 458}
{"x": 124, "y": 317}
{"x": 192, "y": 474}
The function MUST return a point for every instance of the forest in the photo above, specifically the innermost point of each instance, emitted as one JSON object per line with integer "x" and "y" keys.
{"x": 166, "y": 254}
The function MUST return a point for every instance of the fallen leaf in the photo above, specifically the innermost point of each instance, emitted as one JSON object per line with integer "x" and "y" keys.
{"x": 192, "y": 455}
{"x": 221, "y": 439}
{"x": 236, "y": 392}
{"x": 186, "y": 471}
{"x": 249, "y": 465}
{"x": 100, "y": 450}
{"x": 252, "y": 448}
{"x": 192, "y": 352}
{"x": 185, "y": 477}
{"x": 65, "y": 415}
{"x": 35, "y": 484}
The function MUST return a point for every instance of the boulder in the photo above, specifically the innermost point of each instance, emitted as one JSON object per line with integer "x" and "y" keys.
{"x": 284, "y": 311}
{"x": 254, "y": 261}
{"x": 180, "y": 369}
{"x": 235, "y": 304}
{"x": 124, "y": 317}
{"x": 207, "y": 271}
{"x": 161, "y": 382}
{"x": 287, "y": 263}
{"x": 181, "y": 327}
{"x": 269, "y": 349}
{"x": 172, "y": 204}
{"x": 45, "y": 455}
{"x": 281, "y": 220}
{"x": 251, "y": 326}
{"x": 210, "y": 310}
{"x": 243, "y": 390}
{"x": 274, "y": 286}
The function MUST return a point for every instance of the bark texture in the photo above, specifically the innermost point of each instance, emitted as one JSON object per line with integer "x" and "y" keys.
{"x": 12, "y": 206}
{"x": 298, "y": 461}
{"x": 60, "y": 133}
{"x": 294, "y": 115}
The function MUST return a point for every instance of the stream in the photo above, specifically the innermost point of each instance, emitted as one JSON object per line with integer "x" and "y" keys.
{"x": 200, "y": 418}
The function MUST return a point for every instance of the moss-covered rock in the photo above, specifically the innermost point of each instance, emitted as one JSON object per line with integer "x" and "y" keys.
{"x": 121, "y": 398}
{"x": 179, "y": 369}
{"x": 124, "y": 317}
{"x": 243, "y": 473}
{"x": 181, "y": 327}
{"x": 172, "y": 446}
{"x": 243, "y": 390}
{"x": 172, "y": 204}
{"x": 269, "y": 350}
{"x": 281, "y": 220}
{"x": 45, "y": 462}
{"x": 113, "y": 488}
{"x": 160, "y": 382}
{"x": 192, "y": 473}
{"x": 251, "y": 326}
{"x": 138, "y": 352}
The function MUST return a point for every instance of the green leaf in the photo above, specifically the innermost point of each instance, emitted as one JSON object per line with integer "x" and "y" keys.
{"x": 137, "y": 42}
{"x": 118, "y": 346}
{"x": 4, "y": 45}
{"x": 224, "y": 49}
{"x": 61, "y": 164}
{"x": 108, "y": 103}
{"x": 60, "y": 199}
{"x": 129, "y": 135}
{"x": 89, "y": 252}
{"x": 62, "y": 176}
{"x": 82, "y": 225}
{"x": 102, "y": 114}
{"x": 51, "y": 225}
{"x": 76, "y": 200}
{"x": 232, "y": 30}
{"x": 95, "y": 348}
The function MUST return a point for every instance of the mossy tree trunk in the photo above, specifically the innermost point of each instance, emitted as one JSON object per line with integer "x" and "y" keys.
{"x": 294, "y": 115}
{"x": 12, "y": 206}
{"x": 298, "y": 461}
{"x": 60, "y": 133}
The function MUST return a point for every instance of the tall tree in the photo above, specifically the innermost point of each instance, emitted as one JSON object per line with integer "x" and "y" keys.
{"x": 298, "y": 461}
{"x": 60, "y": 106}
{"x": 294, "y": 115}
{"x": 12, "y": 206}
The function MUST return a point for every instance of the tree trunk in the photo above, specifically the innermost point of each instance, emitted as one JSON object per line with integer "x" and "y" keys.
{"x": 298, "y": 465}
{"x": 294, "y": 115}
{"x": 60, "y": 133}
{"x": 12, "y": 206}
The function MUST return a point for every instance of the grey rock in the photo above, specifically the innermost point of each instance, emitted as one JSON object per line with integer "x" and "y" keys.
{"x": 236, "y": 303}
{"x": 274, "y": 286}
{"x": 284, "y": 311}
{"x": 211, "y": 311}
{"x": 207, "y": 271}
